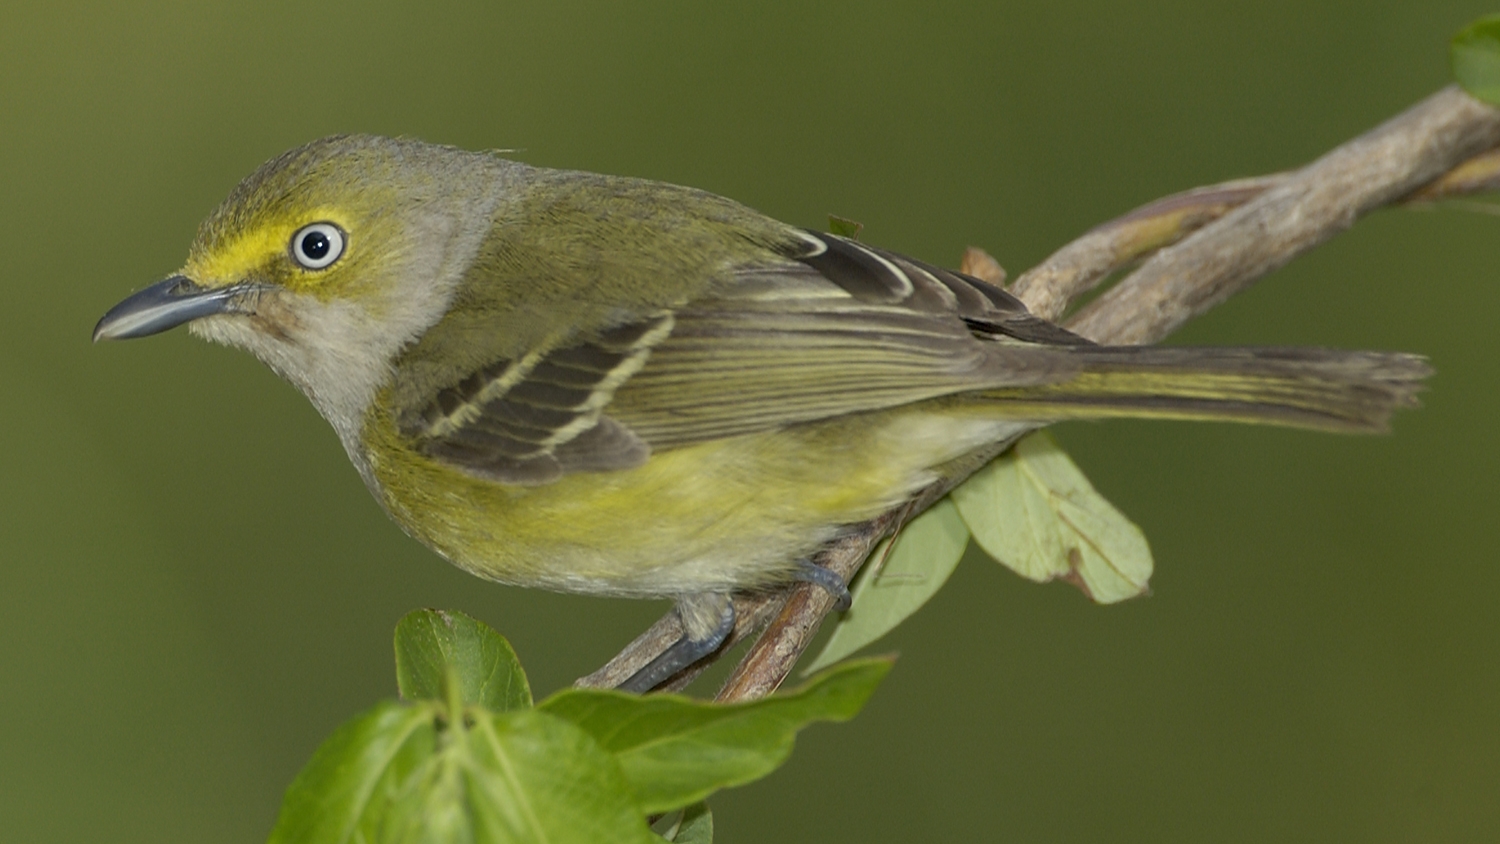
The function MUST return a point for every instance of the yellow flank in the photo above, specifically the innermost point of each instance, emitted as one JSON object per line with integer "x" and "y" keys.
{"x": 726, "y": 514}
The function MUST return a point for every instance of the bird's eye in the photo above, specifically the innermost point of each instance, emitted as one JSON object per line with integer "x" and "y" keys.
{"x": 317, "y": 245}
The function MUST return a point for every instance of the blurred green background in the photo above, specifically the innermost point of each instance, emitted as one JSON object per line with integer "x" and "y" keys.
{"x": 195, "y": 588}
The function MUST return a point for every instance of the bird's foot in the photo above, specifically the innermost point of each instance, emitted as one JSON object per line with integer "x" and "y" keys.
{"x": 810, "y": 572}
{"x": 707, "y": 620}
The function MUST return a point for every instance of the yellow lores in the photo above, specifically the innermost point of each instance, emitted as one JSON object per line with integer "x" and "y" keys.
{"x": 621, "y": 387}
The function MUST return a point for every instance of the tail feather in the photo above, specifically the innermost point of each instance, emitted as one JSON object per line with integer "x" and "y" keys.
{"x": 1303, "y": 387}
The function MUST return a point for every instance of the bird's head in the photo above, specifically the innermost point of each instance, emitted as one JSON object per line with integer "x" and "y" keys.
{"x": 326, "y": 261}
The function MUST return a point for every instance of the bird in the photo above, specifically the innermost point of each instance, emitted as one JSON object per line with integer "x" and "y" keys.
{"x": 616, "y": 386}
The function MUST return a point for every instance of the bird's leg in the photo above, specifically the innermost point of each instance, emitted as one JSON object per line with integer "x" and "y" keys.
{"x": 707, "y": 620}
{"x": 810, "y": 572}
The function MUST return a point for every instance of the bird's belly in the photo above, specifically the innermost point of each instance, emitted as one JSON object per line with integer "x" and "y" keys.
{"x": 727, "y": 514}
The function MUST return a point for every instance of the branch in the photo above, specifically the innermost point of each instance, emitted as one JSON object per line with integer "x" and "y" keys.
{"x": 1314, "y": 204}
{"x": 1198, "y": 248}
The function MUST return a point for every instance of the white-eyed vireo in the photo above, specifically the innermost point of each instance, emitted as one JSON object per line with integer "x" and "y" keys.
{"x": 621, "y": 387}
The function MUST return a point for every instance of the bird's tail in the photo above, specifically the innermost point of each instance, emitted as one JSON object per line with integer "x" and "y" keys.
{"x": 1324, "y": 389}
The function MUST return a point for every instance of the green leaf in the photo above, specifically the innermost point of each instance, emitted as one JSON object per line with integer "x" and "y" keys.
{"x": 675, "y": 751}
{"x": 529, "y": 776}
{"x": 586, "y": 766}
{"x": 431, "y": 643}
{"x": 359, "y": 767}
{"x": 1475, "y": 56}
{"x": 403, "y": 773}
{"x": 896, "y": 581}
{"x": 844, "y": 227}
{"x": 693, "y": 825}
{"x": 1034, "y": 511}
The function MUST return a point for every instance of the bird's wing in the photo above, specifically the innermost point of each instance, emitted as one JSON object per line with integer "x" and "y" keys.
{"x": 835, "y": 327}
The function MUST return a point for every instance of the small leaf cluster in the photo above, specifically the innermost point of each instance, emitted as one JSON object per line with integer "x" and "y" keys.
{"x": 1031, "y": 509}
{"x": 465, "y": 755}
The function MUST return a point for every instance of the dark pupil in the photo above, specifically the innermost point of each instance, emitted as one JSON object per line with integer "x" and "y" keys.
{"x": 315, "y": 245}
